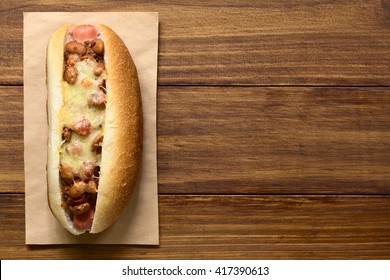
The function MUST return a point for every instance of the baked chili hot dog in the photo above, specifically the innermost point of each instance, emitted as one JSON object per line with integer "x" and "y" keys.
{"x": 95, "y": 127}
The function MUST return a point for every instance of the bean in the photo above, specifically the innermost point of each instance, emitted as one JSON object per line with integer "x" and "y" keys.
{"x": 70, "y": 74}
{"x": 92, "y": 186}
{"x": 72, "y": 201}
{"x": 96, "y": 144}
{"x": 98, "y": 47}
{"x": 98, "y": 69}
{"x": 86, "y": 170}
{"x": 75, "y": 47}
{"x": 66, "y": 173}
{"x": 80, "y": 209}
{"x": 72, "y": 59}
{"x": 89, "y": 57}
{"x": 78, "y": 189}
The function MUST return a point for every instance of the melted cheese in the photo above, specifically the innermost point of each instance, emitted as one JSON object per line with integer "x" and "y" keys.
{"x": 75, "y": 106}
{"x": 79, "y": 150}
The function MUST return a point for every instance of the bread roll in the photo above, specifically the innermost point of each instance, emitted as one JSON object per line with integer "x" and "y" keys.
{"x": 95, "y": 127}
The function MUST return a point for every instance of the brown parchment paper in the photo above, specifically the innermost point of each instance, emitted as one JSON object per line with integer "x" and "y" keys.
{"x": 139, "y": 222}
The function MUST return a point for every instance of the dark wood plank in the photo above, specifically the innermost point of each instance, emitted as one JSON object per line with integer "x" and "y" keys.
{"x": 242, "y": 42}
{"x": 11, "y": 140}
{"x": 234, "y": 227}
{"x": 273, "y": 140}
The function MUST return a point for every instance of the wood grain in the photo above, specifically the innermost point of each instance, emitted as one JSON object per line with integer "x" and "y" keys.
{"x": 242, "y": 43}
{"x": 234, "y": 227}
{"x": 273, "y": 130}
{"x": 294, "y": 140}
{"x": 11, "y": 140}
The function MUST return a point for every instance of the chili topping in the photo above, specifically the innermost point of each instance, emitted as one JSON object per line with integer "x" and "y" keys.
{"x": 82, "y": 118}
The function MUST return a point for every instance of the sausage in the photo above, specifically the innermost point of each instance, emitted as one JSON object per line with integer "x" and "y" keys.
{"x": 82, "y": 126}
{"x": 84, "y": 221}
{"x": 98, "y": 98}
{"x": 74, "y": 148}
{"x": 85, "y": 32}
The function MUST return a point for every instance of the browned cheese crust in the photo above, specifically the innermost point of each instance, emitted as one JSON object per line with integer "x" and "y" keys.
{"x": 123, "y": 130}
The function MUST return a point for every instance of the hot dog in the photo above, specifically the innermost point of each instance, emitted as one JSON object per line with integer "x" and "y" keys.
{"x": 95, "y": 127}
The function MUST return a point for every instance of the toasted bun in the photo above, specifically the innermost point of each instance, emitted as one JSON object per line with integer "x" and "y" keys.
{"x": 122, "y": 144}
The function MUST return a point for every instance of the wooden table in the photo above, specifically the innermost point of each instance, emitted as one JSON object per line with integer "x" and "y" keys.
{"x": 273, "y": 130}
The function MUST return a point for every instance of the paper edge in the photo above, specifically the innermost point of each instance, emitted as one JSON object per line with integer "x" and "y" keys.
{"x": 155, "y": 241}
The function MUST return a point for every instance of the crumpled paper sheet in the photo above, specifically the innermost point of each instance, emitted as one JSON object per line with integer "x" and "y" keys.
{"x": 139, "y": 222}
